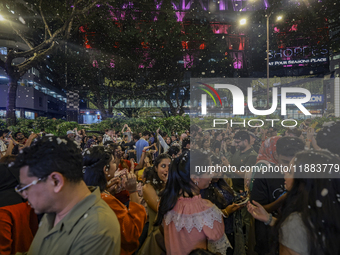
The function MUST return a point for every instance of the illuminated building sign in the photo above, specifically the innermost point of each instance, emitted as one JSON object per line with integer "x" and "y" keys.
{"x": 301, "y": 56}
{"x": 296, "y": 52}
{"x": 315, "y": 98}
{"x": 297, "y": 61}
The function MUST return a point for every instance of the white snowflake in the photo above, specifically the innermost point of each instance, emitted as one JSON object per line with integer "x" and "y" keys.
{"x": 318, "y": 203}
{"x": 324, "y": 192}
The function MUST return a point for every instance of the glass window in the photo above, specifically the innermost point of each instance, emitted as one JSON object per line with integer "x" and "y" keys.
{"x": 3, "y": 50}
{"x": 29, "y": 115}
{"x": 2, "y": 114}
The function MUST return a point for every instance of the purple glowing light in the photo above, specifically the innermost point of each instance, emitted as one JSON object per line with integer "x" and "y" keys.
{"x": 112, "y": 63}
{"x": 237, "y": 64}
{"x": 180, "y": 16}
{"x": 188, "y": 61}
{"x": 204, "y": 7}
{"x": 222, "y": 5}
{"x": 182, "y": 5}
{"x": 237, "y": 60}
{"x": 266, "y": 4}
{"x": 158, "y": 5}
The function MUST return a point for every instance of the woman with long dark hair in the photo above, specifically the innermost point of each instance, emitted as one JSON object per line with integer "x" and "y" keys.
{"x": 309, "y": 223}
{"x": 155, "y": 178}
{"x": 99, "y": 168}
{"x": 155, "y": 181}
{"x": 190, "y": 222}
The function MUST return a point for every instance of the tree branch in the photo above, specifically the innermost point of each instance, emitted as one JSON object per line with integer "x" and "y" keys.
{"x": 54, "y": 35}
{"x": 21, "y": 36}
{"x": 32, "y": 61}
{"x": 83, "y": 11}
{"x": 44, "y": 20}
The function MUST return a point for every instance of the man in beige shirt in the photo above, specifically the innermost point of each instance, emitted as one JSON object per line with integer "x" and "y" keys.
{"x": 76, "y": 220}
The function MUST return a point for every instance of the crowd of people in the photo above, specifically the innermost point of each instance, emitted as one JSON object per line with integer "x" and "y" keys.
{"x": 138, "y": 193}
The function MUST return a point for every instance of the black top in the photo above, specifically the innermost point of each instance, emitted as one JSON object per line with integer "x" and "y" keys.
{"x": 265, "y": 191}
{"x": 9, "y": 179}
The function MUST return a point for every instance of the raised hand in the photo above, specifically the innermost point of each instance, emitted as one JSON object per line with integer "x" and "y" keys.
{"x": 257, "y": 211}
{"x": 112, "y": 185}
{"x": 130, "y": 183}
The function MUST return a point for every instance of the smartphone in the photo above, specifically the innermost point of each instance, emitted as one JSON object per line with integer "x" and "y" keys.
{"x": 9, "y": 133}
{"x": 242, "y": 201}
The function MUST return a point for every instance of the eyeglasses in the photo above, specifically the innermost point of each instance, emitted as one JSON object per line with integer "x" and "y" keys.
{"x": 18, "y": 188}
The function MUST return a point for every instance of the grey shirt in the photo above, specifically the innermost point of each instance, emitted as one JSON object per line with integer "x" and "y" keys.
{"x": 294, "y": 234}
{"x": 91, "y": 227}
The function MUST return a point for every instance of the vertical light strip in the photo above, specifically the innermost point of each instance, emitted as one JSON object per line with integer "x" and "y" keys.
{"x": 204, "y": 104}
{"x": 337, "y": 97}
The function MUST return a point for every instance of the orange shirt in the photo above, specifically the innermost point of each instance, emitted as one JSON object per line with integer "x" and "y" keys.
{"x": 131, "y": 222}
{"x": 18, "y": 225}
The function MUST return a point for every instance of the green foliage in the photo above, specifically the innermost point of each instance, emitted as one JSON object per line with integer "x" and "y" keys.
{"x": 177, "y": 124}
{"x": 52, "y": 126}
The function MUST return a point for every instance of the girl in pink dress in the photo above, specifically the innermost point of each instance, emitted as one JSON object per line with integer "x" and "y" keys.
{"x": 190, "y": 222}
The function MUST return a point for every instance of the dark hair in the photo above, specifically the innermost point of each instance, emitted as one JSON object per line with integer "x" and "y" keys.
{"x": 16, "y": 133}
{"x": 94, "y": 161}
{"x": 108, "y": 143}
{"x": 194, "y": 128}
{"x": 242, "y": 135}
{"x": 135, "y": 136}
{"x": 289, "y": 146}
{"x": 296, "y": 132}
{"x": 217, "y": 134}
{"x": 204, "y": 140}
{"x": 179, "y": 181}
{"x": 52, "y": 154}
{"x": 329, "y": 138}
{"x": 146, "y": 133}
{"x": 322, "y": 223}
{"x": 153, "y": 177}
{"x": 174, "y": 150}
{"x": 185, "y": 141}
{"x": 214, "y": 195}
{"x": 148, "y": 172}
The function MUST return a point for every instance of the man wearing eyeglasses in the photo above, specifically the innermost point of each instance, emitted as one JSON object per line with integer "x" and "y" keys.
{"x": 76, "y": 220}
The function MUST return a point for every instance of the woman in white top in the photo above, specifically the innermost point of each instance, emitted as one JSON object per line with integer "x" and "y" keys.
{"x": 309, "y": 223}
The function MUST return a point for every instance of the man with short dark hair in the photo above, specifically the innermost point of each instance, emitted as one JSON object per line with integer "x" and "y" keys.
{"x": 76, "y": 219}
{"x": 20, "y": 137}
{"x": 244, "y": 156}
{"x": 141, "y": 143}
{"x": 268, "y": 191}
